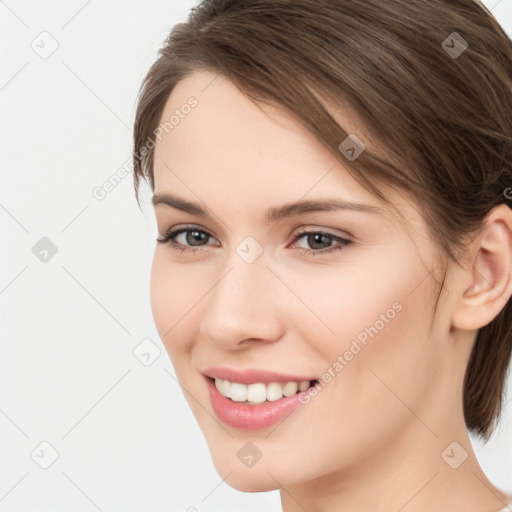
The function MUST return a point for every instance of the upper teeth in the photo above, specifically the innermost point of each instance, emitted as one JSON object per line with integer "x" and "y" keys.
{"x": 259, "y": 392}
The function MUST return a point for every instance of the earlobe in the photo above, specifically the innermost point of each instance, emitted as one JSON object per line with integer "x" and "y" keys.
{"x": 489, "y": 273}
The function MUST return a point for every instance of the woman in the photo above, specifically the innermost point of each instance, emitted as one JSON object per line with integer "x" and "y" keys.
{"x": 332, "y": 279}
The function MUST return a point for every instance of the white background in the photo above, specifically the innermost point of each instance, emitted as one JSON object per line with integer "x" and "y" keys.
{"x": 68, "y": 375}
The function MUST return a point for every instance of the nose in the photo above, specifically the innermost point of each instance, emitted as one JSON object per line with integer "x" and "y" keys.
{"x": 245, "y": 305}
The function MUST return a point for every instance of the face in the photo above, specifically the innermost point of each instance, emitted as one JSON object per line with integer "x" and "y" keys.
{"x": 341, "y": 296}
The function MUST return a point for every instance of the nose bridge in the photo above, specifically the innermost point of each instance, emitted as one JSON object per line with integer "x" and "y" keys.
{"x": 245, "y": 275}
{"x": 242, "y": 302}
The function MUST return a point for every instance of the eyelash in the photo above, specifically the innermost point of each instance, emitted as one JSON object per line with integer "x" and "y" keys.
{"x": 168, "y": 238}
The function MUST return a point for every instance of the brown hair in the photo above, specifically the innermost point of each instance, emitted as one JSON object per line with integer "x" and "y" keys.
{"x": 444, "y": 117}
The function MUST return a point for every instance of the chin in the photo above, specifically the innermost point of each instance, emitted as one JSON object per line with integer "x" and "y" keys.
{"x": 263, "y": 476}
{"x": 247, "y": 480}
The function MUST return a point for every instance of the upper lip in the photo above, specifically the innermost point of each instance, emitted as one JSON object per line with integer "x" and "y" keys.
{"x": 252, "y": 375}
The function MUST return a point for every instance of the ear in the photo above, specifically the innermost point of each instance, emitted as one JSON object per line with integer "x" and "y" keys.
{"x": 487, "y": 281}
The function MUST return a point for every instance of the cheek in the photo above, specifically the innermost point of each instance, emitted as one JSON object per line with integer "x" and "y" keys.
{"x": 375, "y": 315}
{"x": 383, "y": 339}
{"x": 364, "y": 298}
{"x": 172, "y": 295}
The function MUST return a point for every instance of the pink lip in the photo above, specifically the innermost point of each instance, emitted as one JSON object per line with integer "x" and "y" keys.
{"x": 240, "y": 415}
{"x": 251, "y": 376}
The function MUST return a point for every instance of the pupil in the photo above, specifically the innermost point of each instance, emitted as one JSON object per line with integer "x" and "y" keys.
{"x": 319, "y": 238}
{"x": 195, "y": 236}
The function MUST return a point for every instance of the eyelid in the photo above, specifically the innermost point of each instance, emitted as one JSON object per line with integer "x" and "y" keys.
{"x": 328, "y": 231}
{"x": 191, "y": 227}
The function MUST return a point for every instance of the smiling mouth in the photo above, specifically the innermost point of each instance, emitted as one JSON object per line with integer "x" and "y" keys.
{"x": 260, "y": 392}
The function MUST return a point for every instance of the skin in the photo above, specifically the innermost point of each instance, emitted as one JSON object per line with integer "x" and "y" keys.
{"x": 372, "y": 438}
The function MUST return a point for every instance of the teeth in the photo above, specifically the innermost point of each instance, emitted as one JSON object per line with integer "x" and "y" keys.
{"x": 274, "y": 391}
{"x": 256, "y": 393}
{"x": 238, "y": 392}
{"x": 290, "y": 388}
{"x": 303, "y": 385}
{"x": 259, "y": 392}
{"x": 222, "y": 386}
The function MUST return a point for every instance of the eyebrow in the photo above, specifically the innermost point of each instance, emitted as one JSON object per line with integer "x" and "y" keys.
{"x": 272, "y": 214}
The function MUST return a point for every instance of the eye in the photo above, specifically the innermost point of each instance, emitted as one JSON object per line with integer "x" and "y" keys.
{"x": 321, "y": 238}
{"x": 195, "y": 238}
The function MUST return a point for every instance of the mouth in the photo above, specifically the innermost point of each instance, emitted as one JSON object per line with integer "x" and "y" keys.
{"x": 258, "y": 393}
{"x": 258, "y": 403}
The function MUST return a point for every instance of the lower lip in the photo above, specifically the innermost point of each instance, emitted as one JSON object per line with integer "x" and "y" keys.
{"x": 240, "y": 415}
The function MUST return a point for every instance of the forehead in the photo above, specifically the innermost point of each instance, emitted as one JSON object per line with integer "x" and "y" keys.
{"x": 227, "y": 142}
